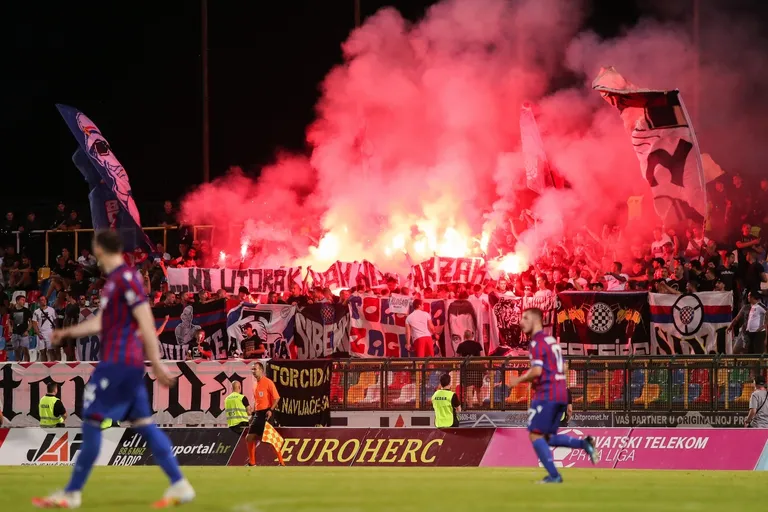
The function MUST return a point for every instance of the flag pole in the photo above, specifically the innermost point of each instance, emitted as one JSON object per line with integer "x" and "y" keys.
{"x": 697, "y": 57}
{"x": 206, "y": 128}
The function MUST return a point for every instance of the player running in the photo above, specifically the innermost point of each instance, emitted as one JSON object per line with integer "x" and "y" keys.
{"x": 116, "y": 389}
{"x": 550, "y": 399}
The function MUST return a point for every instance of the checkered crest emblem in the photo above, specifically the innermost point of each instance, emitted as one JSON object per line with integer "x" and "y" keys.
{"x": 328, "y": 314}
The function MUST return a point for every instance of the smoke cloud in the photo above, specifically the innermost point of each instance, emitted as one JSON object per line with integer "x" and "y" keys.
{"x": 416, "y": 146}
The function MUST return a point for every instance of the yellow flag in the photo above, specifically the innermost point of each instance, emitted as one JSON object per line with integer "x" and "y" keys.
{"x": 272, "y": 437}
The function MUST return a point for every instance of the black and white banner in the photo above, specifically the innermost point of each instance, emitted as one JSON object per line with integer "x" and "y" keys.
{"x": 604, "y": 323}
{"x": 691, "y": 323}
{"x": 665, "y": 144}
{"x": 322, "y": 330}
{"x": 273, "y": 325}
{"x": 257, "y": 280}
{"x": 197, "y": 399}
{"x": 178, "y": 340}
{"x": 305, "y": 392}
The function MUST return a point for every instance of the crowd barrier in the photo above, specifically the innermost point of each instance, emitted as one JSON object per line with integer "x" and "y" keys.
{"x": 607, "y": 392}
{"x": 694, "y": 383}
{"x": 619, "y": 448}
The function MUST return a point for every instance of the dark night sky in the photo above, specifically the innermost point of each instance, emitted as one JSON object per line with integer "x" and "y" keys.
{"x": 134, "y": 68}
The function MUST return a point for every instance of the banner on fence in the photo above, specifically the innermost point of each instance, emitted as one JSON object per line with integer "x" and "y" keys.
{"x": 400, "y": 304}
{"x": 442, "y": 270}
{"x": 375, "y": 447}
{"x": 305, "y": 392}
{"x": 51, "y": 447}
{"x": 257, "y": 280}
{"x": 322, "y": 330}
{"x": 473, "y": 316}
{"x": 691, "y": 323}
{"x": 638, "y": 448}
{"x": 197, "y": 399}
{"x": 344, "y": 274}
{"x": 603, "y": 323}
{"x": 191, "y": 446}
{"x": 273, "y": 325}
{"x": 376, "y": 331}
{"x": 507, "y": 311}
{"x": 179, "y": 337}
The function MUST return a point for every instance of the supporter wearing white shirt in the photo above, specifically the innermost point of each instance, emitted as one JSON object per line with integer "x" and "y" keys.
{"x": 86, "y": 259}
{"x": 698, "y": 245}
{"x": 615, "y": 281}
{"x": 481, "y": 299}
{"x": 43, "y": 319}
{"x": 659, "y": 240}
{"x": 419, "y": 329}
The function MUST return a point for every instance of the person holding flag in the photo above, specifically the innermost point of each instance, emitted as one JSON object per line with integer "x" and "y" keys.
{"x": 265, "y": 399}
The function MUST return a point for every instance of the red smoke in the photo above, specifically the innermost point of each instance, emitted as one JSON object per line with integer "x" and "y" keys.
{"x": 416, "y": 145}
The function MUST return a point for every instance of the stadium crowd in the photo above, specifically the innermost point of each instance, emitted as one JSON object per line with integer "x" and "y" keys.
{"x": 727, "y": 253}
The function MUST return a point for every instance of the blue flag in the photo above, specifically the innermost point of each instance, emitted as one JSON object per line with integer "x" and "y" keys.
{"x": 112, "y": 204}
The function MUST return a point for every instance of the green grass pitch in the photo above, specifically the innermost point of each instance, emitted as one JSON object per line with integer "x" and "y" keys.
{"x": 273, "y": 489}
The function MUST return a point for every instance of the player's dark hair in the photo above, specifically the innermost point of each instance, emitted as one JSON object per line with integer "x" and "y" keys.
{"x": 416, "y": 304}
{"x": 259, "y": 364}
{"x": 535, "y": 312}
{"x": 445, "y": 380}
{"x": 618, "y": 264}
{"x": 109, "y": 241}
{"x": 51, "y": 387}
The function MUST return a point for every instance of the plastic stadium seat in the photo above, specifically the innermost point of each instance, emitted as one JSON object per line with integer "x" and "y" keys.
{"x": 357, "y": 393}
{"x": 518, "y": 394}
{"x": 372, "y": 395}
{"x": 694, "y": 391}
{"x": 678, "y": 393}
{"x": 746, "y": 392}
{"x": 498, "y": 394}
{"x": 407, "y": 395}
{"x": 734, "y": 390}
{"x": 337, "y": 388}
{"x": 700, "y": 376}
{"x": 594, "y": 394}
{"x": 658, "y": 377}
{"x": 650, "y": 394}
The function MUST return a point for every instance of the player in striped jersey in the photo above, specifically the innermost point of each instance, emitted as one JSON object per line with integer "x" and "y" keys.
{"x": 550, "y": 396}
{"x": 116, "y": 388}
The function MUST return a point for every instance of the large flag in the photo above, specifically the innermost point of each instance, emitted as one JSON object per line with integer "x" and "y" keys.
{"x": 691, "y": 323}
{"x": 665, "y": 145}
{"x": 179, "y": 336}
{"x": 322, "y": 330}
{"x": 603, "y": 323}
{"x": 539, "y": 174}
{"x": 273, "y": 324}
{"x": 111, "y": 200}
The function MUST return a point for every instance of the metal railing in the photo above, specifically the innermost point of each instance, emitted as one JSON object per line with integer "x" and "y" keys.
{"x": 73, "y": 238}
{"x": 685, "y": 383}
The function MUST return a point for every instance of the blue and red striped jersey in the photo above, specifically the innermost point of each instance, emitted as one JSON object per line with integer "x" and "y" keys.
{"x": 551, "y": 385}
{"x": 120, "y": 339}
